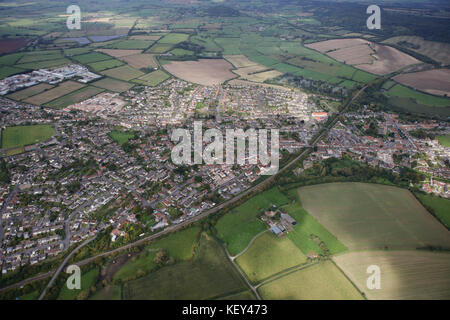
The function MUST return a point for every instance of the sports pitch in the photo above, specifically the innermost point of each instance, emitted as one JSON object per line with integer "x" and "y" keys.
{"x": 20, "y": 136}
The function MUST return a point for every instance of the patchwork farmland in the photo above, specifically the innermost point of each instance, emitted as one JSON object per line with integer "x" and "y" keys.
{"x": 365, "y": 55}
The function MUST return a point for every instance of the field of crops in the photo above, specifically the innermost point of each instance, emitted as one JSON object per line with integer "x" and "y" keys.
{"x": 105, "y": 64}
{"x": 52, "y": 94}
{"x": 30, "y": 91}
{"x": 209, "y": 275}
{"x": 112, "y": 85}
{"x": 268, "y": 255}
{"x": 74, "y": 97}
{"x": 123, "y": 73}
{"x": 322, "y": 281}
{"x": 91, "y": 57}
{"x": 173, "y": 38}
{"x": 153, "y": 78}
{"x": 370, "y": 216}
{"x": 440, "y": 206}
{"x": 412, "y": 274}
{"x": 423, "y": 98}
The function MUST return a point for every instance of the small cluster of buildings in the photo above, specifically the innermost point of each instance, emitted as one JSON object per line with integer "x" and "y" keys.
{"x": 25, "y": 80}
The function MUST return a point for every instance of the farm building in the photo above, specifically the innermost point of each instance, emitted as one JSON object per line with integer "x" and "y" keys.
{"x": 276, "y": 231}
{"x": 288, "y": 219}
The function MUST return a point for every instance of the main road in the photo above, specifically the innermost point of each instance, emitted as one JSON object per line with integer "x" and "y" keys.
{"x": 202, "y": 215}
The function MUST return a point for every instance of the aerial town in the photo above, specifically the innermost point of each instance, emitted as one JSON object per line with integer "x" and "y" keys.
{"x": 80, "y": 181}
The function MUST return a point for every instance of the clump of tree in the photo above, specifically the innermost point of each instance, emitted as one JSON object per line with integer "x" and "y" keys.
{"x": 5, "y": 177}
{"x": 162, "y": 258}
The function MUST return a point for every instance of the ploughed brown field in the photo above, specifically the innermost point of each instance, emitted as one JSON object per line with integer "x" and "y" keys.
{"x": 432, "y": 81}
{"x": 10, "y": 45}
{"x": 206, "y": 72}
{"x": 365, "y": 55}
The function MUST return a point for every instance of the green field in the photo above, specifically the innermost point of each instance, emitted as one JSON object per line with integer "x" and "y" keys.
{"x": 152, "y": 79}
{"x": 444, "y": 140}
{"x": 6, "y": 71}
{"x": 268, "y": 255}
{"x": 179, "y": 246}
{"x": 10, "y": 59}
{"x": 74, "y": 97}
{"x": 130, "y": 44}
{"x": 121, "y": 136}
{"x": 370, "y": 216}
{"x": 440, "y": 206}
{"x": 181, "y": 52}
{"x": 209, "y": 275}
{"x": 91, "y": 57}
{"x": 40, "y": 56}
{"x": 422, "y": 98}
{"x": 239, "y": 226}
{"x": 160, "y": 48}
{"x": 173, "y": 38}
{"x": 123, "y": 73}
{"x": 30, "y": 91}
{"x": 322, "y": 281}
{"x": 306, "y": 227}
{"x": 76, "y": 51}
{"x": 111, "y": 292}
{"x": 20, "y": 136}
{"x": 244, "y": 295}
{"x": 44, "y": 64}
{"x": 33, "y": 295}
{"x": 112, "y": 85}
{"x": 88, "y": 279}
{"x": 105, "y": 64}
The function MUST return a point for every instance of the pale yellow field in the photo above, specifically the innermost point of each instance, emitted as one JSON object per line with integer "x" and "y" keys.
{"x": 244, "y": 72}
{"x": 438, "y": 51}
{"x": 335, "y": 44}
{"x": 404, "y": 275}
{"x": 239, "y": 60}
{"x": 263, "y": 76}
{"x": 365, "y": 55}
{"x": 142, "y": 60}
{"x": 204, "y": 71}
{"x": 323, "y": 281}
